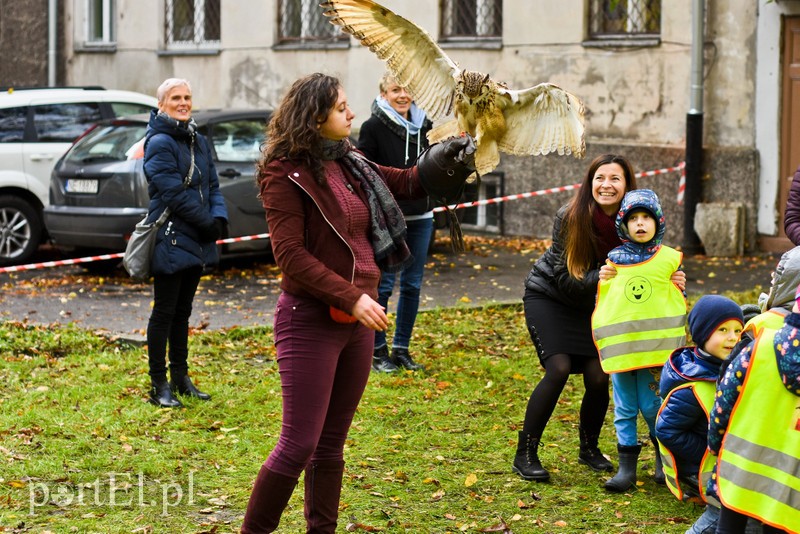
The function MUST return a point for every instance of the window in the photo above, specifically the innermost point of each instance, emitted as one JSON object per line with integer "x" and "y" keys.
{"x": 472, "y": 19}
{"x": 238, "y": 140}
{"x": 484, "y": 217}
{"x": 302, "y": 21}
{"x": 624, "y": 19}
{"x": 12, "y": 124}
{"x": 63, "y": 123}
{"x": 193, "y": 23}
{"x": 99, "y": 21}
{"x": 122, "y": 109}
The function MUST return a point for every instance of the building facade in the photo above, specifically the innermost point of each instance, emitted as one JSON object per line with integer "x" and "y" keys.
{"x": 628, "y": 60}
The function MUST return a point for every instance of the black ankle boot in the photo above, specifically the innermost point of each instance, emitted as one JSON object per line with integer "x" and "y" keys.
{"x": 183, "y": 385}
{"x": 401, "y": 358}
{"x": 526, "y": 461}
{"x": 381, "y": 363}
{"x": 625, "y": 478}
{"x": 161, "y": 395}
{"x": 590, "y": 454}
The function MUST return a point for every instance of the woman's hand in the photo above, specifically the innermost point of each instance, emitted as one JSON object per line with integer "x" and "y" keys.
{"x": 370, "y": 313}
{"x": 608, "y": 271}
{"x": 679, "y": 279}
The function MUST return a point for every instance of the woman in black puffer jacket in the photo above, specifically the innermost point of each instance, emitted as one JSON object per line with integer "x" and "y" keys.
{"x": 181, "y": 176}
{"x": 559, "y": 300}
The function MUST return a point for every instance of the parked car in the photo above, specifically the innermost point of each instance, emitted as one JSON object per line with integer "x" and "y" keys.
{"x": 98, "y": 191}
{"x": 36, "y": 127}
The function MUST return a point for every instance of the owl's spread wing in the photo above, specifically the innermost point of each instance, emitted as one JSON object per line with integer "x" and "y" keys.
{"x": 542, "y": 119}
{"x": 412, "y": 56}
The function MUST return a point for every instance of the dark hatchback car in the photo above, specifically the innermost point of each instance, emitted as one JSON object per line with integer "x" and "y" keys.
{"x": 98, "y": 191}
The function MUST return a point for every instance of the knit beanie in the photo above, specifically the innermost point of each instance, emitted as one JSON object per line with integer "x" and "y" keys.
{"x": 708, "y": 313}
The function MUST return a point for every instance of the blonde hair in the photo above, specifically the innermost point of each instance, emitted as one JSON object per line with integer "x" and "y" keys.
{"x": 168, "y": 85}
{"x": 387, "y": 79}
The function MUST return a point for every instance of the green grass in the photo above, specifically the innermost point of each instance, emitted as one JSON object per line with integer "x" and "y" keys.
{"x": 427, "y": 452}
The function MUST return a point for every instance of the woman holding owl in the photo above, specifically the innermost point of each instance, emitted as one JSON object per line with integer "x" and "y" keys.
{"x": 334, "y": 226}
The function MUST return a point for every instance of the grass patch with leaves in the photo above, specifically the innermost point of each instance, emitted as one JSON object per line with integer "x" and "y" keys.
{"x": 82, "y": 451}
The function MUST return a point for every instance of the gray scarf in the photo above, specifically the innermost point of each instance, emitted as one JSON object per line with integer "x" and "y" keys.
{"x": 388, "y": 226}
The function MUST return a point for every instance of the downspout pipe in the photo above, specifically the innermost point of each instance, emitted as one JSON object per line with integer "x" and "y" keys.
{"x": 52, "y": 41}
{"x": 694, "y": 133}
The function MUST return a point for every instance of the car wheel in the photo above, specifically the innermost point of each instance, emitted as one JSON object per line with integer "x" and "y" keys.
{"x": 20, "y": 230}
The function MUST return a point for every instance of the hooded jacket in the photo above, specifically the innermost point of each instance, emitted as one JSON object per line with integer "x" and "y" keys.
{"x": 387, "y": 142}
{"x": 167, "y": 159}
{"x": 631, "y": 252}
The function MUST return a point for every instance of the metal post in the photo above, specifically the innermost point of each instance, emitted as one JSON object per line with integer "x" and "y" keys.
{"x": 694, "y": 133}
{"x": 52, "y": 41}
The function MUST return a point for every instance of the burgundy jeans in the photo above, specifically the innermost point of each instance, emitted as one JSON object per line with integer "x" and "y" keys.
{"x": 324, "y": 368}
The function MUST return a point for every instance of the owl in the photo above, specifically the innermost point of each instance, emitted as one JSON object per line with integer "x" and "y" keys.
{"x": 534, "y": 121}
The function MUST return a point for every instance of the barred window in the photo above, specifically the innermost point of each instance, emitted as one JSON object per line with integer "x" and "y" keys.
{"x": 302, "y": 21}
{"x": 472, "y": 19}
{"x": 624, "y": 19}
{"x": 99, "y": 21}
{"x": 193, "y": 23}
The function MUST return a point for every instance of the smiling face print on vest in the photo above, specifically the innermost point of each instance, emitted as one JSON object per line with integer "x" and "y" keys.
{"x": 638, "y": 290}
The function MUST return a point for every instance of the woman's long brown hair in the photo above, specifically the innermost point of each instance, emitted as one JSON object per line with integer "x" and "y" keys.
{"x": 293, "y": 130}
{"x": 577, "y": 231}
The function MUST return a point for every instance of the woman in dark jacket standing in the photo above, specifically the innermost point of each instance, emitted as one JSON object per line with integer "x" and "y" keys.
{"x": 181, "y": 176}
{"x": 334, "y": 226}
{"x": 395, "y": 135}
{"x": 559, "y": 300}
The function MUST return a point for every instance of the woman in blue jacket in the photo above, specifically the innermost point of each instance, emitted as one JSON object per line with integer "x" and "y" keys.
{"x": 181, "y": 176}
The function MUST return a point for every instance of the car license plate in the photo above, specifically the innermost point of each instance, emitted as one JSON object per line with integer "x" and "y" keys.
{"x": 81, "y": 186}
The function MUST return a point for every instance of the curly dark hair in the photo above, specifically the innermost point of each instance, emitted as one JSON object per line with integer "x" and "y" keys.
{"x": 293, "y": 130}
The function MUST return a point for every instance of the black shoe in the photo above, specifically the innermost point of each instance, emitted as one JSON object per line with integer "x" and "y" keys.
{"x": 381, "y": 363}
{"x": 161, "y": 395}
{"x": 183, "y": 385}
{"x": 526, "y": 460}
{"x": 401, "y": 358}
{"x": 589, "y": 453}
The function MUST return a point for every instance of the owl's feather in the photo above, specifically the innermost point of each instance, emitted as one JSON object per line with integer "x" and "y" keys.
{"x": 412, "y": 56}
{"x": 534, "y": 121}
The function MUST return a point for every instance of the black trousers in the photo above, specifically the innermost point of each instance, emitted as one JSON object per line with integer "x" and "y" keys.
{"x": 169, "y": 322}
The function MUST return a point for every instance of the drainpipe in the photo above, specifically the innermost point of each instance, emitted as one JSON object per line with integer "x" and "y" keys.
{"x": 52, "y": 45}
{"x": 694, "y": 133}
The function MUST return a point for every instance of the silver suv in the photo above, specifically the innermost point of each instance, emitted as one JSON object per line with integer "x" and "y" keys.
{"x": 36, "y": 127}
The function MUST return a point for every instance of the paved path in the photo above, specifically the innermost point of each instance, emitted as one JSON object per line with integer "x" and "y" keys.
{"x": 244, "y": 293}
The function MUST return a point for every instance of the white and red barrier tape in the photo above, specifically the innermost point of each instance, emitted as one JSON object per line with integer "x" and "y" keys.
{"x": 104, "y": 257}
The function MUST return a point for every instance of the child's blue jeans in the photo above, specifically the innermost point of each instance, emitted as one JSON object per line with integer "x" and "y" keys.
{"x": 634, "y": 392}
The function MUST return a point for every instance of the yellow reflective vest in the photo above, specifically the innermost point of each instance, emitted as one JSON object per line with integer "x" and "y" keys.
{"x": 704, "y": 393}
{"x": 769, "y": 319}
{"x": 758, "y": 471}
{"x": 640, "y": 314}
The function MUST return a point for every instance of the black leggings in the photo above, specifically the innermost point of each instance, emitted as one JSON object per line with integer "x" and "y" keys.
{"x": 546, "y": 393}
{"x": 169, "y": 322}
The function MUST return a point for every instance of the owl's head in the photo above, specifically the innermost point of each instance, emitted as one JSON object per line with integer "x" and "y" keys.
{"x": 473, "y": 84}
